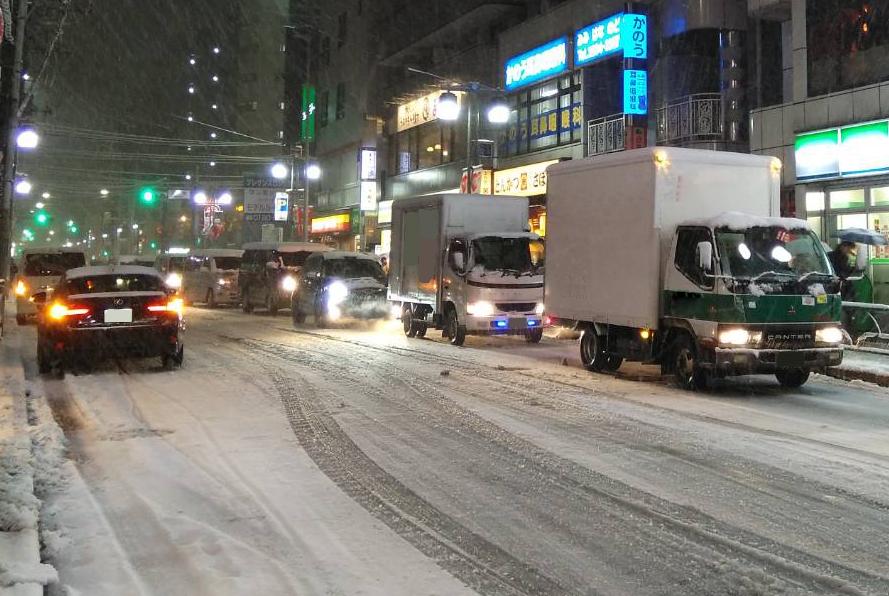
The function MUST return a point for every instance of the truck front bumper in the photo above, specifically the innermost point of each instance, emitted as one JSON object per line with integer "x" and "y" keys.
{"x": 505, "y": 324}
{"x": 737, "y": 361}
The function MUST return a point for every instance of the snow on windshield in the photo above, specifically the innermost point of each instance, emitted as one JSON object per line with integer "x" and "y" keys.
{"x": 770, "y": 252}
{"x": 519, "y": 255}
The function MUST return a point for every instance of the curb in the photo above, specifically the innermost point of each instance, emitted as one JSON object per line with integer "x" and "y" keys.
{"x": 852, "y": 374}
{"x": 22, "y": 572}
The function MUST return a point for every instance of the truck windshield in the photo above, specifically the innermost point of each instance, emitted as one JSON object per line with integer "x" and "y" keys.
{"x": 772, "y": 254}
{"x": 227, "y": 263}
{"x": 353, "y": 269}
{"x": 517, "y": 256}
{"x": 51, "y": 264}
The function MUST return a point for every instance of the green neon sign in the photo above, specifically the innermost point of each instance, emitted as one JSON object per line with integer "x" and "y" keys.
{"x": 307, "y": 116}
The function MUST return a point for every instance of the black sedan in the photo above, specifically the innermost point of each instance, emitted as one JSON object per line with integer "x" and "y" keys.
{"x": 112, "y": 310}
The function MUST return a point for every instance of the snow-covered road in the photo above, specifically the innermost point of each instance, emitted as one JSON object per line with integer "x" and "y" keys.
{"x": 356, "y": 461}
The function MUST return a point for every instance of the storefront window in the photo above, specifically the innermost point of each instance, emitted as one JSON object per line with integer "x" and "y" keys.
{"x": 814, "y": 201}
{"x": 879, "y": 222}
{"x": 424, "y": 146}
{"x": 879, "y": 196}
{"x": 847, "y": 199}
{"x": 547, "y": 115}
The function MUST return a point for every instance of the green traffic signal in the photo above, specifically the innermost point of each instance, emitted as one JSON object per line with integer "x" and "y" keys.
{"x": 41, "y": 218}
{"x": 147, "y": 195}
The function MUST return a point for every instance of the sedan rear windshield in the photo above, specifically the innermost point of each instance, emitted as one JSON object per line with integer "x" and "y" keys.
{"x": 227, "y": 263}
{"x": 115, "y": 283}
{"x": 294, "y": 259}
{"x": 52, "y": 264}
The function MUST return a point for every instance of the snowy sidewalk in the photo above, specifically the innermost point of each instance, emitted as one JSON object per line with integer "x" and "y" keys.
{"x": 21, "y": 572}
{"x": 863, "y": 365}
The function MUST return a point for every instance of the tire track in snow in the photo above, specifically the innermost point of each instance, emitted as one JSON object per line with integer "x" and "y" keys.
{"x": 794, "y": 567}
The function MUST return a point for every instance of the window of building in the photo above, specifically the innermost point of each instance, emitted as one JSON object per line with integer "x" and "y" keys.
{"x": 847, "y": 199}
{"x": 424, "y": 146}
{"x": 340, "y": 101}
{"x": 341, "y": 29}
{"x": 323, "y": 107}
{"x": 547, "y": 115}
{"x": 325, "y": 50}
{"x": 848, "y": 44}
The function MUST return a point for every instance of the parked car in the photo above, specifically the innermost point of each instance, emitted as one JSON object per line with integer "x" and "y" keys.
{"x": 40, "y": 269}
{"x": 211, "y": 276}
{"x": 141, "y": 260}
{"x": 340, "y": 284}
{"x": 270, "y": 270}
{"x": 123, "y": 310}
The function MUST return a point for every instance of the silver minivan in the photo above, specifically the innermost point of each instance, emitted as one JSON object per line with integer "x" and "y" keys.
{"x": 211, "y": 276}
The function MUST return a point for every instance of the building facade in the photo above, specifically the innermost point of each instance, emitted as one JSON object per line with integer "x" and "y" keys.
{"x": 824, "y": 110}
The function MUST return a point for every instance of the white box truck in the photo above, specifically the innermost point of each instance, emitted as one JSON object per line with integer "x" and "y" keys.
{"x": 677, "y": 257}
{"x": 466, "y": 264}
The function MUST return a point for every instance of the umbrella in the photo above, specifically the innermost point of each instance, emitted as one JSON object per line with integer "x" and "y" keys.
{"x": 861, "y": 236}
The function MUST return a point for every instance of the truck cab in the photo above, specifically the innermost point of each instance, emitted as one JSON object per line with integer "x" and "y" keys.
{"x": 754, "y": 295}
{"x": 495, "y": 283}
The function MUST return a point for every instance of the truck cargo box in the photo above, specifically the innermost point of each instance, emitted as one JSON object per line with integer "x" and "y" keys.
{"x": 611, "y": 217}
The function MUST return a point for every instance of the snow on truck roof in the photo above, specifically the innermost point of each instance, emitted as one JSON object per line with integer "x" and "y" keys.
{"x": 288, "y": 246}
{"x": 93, "y": 270}
{"x": 665, "y": 154}
{"x": 734, "y": 220}
{"x": 346, "y": 254}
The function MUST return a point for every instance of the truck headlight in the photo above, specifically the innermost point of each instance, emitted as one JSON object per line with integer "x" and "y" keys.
{"x": 174, "y": 280}
{"x": 222, "y": 282}
{"x": 539, "y": 309}
{"x": 829, "y": 335}
{"x": 337, "y": 293}
{"x": 739, "y": 337}
{"x": 482, "y": 308}
{"x": 21, "y": 288}
{"x": 288, "y": 284}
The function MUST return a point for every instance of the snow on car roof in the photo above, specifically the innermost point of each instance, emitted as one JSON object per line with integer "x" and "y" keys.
{"x": 735, "y": 220}
{"x": 288, "y": 246}
{"x": 93, "y": 270}
{"x": 218, "y": 252}
{"x": 51, "y": 250}
{"x": 531, "y": 235}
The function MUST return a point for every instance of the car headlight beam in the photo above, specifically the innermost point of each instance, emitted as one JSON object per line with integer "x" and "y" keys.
{"x": 288, "y": 284}
{"x": 337, "y": 292}
{"x": 739, "y": 336}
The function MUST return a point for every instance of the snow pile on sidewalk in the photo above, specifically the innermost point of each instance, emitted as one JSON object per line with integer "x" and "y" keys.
{"x": 30, "y": 457}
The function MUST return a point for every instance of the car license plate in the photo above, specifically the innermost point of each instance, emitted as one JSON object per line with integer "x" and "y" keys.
{"x": 518, "y": 323}
{"x": 790, "y": 359}
{"x": 119, "y": 315}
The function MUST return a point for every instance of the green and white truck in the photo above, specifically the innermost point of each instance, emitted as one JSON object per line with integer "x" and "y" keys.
{"x": 677, "y": 257}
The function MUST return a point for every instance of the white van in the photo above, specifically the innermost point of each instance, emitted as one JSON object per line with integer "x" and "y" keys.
{"x": 40, "y": 270}
{"x": 211, "y": 276}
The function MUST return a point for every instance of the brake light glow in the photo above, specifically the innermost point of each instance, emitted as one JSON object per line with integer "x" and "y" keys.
{"x": 59, "y": 311}
{"x": 175, "y": 306}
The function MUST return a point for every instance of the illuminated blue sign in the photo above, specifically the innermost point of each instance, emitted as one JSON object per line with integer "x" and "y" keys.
{"x": 537, "y": 64}
{"x": 635, "y": 92}
{"x": 621, "y": 33}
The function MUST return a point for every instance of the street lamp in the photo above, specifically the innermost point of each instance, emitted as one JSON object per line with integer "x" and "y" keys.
{"x": 224, "y": 199}
{"x": 104, "y": 192}
{"x": 448, "y": 107}
{"x": 313, "y": 171}
{"x": 279, "y": 171}
{"x": 200, "y": 198}
{"x": 27, "y": 139}
{"x": 39, "y": 205}
{"x": 23, "y": 187}
{"x": 498, "y": 111}
{"x": 46, "y": 195}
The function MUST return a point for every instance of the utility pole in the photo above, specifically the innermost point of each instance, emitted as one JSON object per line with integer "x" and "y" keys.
{"x": 12, "y": 124}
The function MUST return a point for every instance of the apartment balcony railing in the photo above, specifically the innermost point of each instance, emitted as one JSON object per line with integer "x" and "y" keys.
{"x": 605, "y": 135}
{"x": 691, "y": 118}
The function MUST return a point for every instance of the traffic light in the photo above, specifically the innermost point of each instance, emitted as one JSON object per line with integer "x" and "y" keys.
{"x": 147, "y": 195}
{"x": 73, "y": 229}
{"x": 41, "y": 218}
{"x": 152, "y": 245}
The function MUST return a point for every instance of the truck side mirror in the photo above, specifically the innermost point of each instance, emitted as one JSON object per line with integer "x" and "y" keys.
{"x": 39, "y": 298}
{"x": 705, "y": 256}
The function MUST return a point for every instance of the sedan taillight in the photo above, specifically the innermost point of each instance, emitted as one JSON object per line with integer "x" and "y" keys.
{"x": 59, "y": 311}
{"x": 174, "y": 306}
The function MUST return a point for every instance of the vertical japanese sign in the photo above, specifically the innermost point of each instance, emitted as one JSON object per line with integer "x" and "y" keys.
{"x": 367, "y": 173}
{"x": 634, "y": 42}
{"x": 307, "y": 122}
{"x": 635, "y": 92}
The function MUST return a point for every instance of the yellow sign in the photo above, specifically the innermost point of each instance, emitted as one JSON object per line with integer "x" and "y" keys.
{"x": 421, "y": 110}
{"x": 523, "y": 181}
{"x": 331, "y": 223}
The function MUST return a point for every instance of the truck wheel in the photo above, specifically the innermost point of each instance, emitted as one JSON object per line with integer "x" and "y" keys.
{"x": 211, "y": 298}
{"x": 43, "y": 365}
{"x": 793, "y": 378}
{"x": 21, "y": 319}
{"x": 407, "y": 321}
{"x": 612, "y": 363}
{"x": 689, "y": 375}
{"x": 533, "y": 336}
{"x": 591, "y": 353}
{"x": 246, "y": 306}
{"x": 456, "y": 331}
